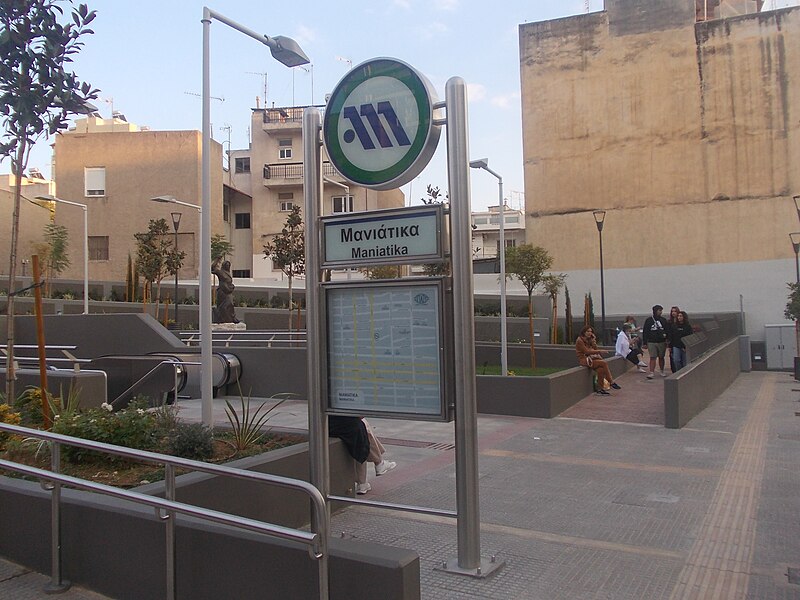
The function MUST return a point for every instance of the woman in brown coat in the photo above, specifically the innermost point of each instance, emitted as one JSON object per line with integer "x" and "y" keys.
{"x": 589, "y": 356}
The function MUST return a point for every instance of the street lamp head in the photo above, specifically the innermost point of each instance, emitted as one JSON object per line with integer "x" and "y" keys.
{"x": 479, "y": 163}
{"x": 795, "y": 237}
{"x": 797, "y": 204}
{"x": 599, "y": 217}
{"x": 286, "y": 51}
{"x": 46, "y": 197}
{"x": 176, "y": 220}
{"x": 165, "y": 199}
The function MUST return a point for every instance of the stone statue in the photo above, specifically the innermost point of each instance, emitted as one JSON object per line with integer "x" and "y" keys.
{"x": 225, "y": 311}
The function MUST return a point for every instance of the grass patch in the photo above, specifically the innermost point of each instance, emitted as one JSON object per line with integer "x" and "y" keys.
{"x": 518, "y": 371}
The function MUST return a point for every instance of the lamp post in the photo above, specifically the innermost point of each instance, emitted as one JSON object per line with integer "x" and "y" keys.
{"x": 51, "y": 198}
{"x": 599, "y": 217}
{"x": 483, "y": 163}
{"x": 288, "y": 52}
{"x": 176, "y": 223}
{"x": 797, "y": 204}
{"x": 795, "y": 237}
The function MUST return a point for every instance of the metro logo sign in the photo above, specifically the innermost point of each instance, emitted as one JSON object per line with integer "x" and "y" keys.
{"x": 378, "y": 129}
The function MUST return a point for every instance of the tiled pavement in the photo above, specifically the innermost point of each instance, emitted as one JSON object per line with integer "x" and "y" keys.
{"x": 602, "y": 506}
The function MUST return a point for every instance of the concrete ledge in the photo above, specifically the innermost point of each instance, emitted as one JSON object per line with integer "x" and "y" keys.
{"x": 689, "y": 391}
{"x": 117, "y": 548}
{"x": 542, "y": 397}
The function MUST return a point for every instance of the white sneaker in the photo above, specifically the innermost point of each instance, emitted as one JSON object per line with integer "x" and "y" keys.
{"x": 650, "y": 375}
{"x": 384, "y": 466}
{"x": 642, "y": 370}
{"x": 362, "y": 488}
{"x": 642, "y": 364}
{"x": 663, "y": 374}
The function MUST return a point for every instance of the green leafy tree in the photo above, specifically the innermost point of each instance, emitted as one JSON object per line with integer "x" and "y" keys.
{"x": 529, "y": 263}
{"x": 221, "y": 248}
{"x": 37, "y": 93}
{"x": 381, "y": 271}
{"x": 435, "y": 196}
{"x": 552, "y": 284}
{"x": 793, "y": 311}
{"x": 157, "y": 257}
{"x": 57, "y": 238}
{"x": 288, "y": 250}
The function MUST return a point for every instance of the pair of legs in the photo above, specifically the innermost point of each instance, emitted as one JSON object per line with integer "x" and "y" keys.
{"x": 678, "y": 358}
{"x": 600, "y": 367}
{"x": 375, "y": 456}
{"x": 658, "y": 351}
{"x": 633, "y": 357}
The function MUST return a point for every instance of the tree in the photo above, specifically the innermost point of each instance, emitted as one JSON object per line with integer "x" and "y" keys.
{"x": 156, "y": 257}
{"x": 288, "y": 250}
{"x": 220, "y": 248}
{"x": 568, "y": 333}
{"x": 381, "y": 271}
{"x": 37, "y": 93}
{"x": 552, "y": 283}
{"x": 57, "y": 240}
{"x": 793, "y": 311}
{"x": 528, "y": 263}
{"x": 435, "y": 196}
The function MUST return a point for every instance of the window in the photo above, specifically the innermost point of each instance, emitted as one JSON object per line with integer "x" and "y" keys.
{"x": 479, "y": 220}
{"x": 509, "y": 244}
{"x": 514, "y": 219}
{"x": 342, "y": 204}
{"x": 241, "y": 272}
{"x": 285, "y": 149}
{"x": 242, "y": 221}
{"x": 242, "y": 165}
{"x": 226, "y": 213}
{"x": 286, "y": 201}
{"x": 98, "y": 247}
{"x": 94, "y": 180}
{"x": 286, "y": 206}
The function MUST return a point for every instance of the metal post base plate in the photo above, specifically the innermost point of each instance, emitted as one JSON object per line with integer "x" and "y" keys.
{"x": 488, "y": 568}
{"x": 57, "y": 588}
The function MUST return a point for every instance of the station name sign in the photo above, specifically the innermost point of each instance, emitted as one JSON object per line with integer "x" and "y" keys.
{"x": 396, "y": 236}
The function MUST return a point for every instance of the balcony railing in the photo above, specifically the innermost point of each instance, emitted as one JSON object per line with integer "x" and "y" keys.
{"x": 286, "y": 114}
{"x": 294, "y": 170}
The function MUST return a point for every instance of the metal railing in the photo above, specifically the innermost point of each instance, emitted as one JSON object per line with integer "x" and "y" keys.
{"x": 168, "y": 507}
{"x": 294, "y": 170}
{"x": 280, "y": 338}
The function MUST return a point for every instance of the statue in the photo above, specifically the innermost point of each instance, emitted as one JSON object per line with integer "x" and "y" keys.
{"x": 225, "y": 311}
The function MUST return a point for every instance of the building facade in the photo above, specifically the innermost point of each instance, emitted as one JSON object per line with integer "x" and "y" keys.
{"x": 270, "y": 176}
{"x": 32, "y": 221}
{"x": 486, "y": 230}
{"x": 115, "y": 168}
{"x": 680, "y": 119}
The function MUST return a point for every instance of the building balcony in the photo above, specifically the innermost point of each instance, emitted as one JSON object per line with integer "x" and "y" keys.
{"x": 284, "y": 118}
{"x": 291, "y": 173}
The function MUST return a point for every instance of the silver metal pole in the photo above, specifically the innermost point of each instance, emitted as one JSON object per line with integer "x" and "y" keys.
{"x": 57, "y": 583}
{"x": 503, "y": 322}
{"x": 206, "y": 390}
{"x": 169, "y": 494}
{"x": 85, "y": 260}
{"x": 317, "y": 413}
{"x": 464, "y": 327}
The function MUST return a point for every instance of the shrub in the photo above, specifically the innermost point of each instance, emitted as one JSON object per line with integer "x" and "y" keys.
{"x": 7, "y": 415}
{"x": 193, "y": 441}
{"x": 133, "y": 427}
{"x": 29, "y": 406}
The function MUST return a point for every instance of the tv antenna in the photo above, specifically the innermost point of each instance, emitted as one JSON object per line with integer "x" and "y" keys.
{"x": 264, "y": 75}
{"x": 196, "y": 95}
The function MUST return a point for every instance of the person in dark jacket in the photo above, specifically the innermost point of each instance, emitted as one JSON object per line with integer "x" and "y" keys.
{"x": 677, "y": 331}
{"x": 654, "y": 331}
{"x": 673, "y": 318}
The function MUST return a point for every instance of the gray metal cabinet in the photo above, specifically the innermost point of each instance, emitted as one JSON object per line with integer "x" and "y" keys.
{"x": 781, "y": 346}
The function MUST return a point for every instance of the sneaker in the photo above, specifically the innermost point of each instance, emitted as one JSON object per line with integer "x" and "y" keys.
{"x": 663, "y": 374}
{"x": 362, "y": 488}
{"x": 602, "y": 393}
{"x": 384, "y": 466}
{"x": 650, "y": 375}
{"x": 642, "y": 370}
{"x": 616, "y": 386}
{"x": 642, "y": 364}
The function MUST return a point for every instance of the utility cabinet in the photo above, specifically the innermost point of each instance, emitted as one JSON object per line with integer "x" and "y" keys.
{"x": 781, "y": 346}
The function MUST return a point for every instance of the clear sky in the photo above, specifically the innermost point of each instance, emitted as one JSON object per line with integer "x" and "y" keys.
{"x": 145, "y": 57}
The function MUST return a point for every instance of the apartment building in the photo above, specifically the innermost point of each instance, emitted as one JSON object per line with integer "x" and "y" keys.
{"x": 32, "y": 220}
{"x": 486, "y": 230}
{"x": 115, "y": 168}
{"x": 681, "y": 120}
{"x": 269, "y": 176}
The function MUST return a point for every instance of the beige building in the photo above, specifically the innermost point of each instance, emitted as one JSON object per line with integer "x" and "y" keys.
{"x": 681, "y": 119}
{"x": 486, "y": 230}
{"x": 114, "y": 167}
{"x": 32, "y": 221}
{"x": 269, "y": 176}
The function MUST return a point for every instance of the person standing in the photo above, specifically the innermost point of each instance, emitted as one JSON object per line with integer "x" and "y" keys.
{"x": 654, "y": 331}
{"x": 673, "y": 319}
{"x": 589, "y": 356}
{"x": 627, "y": 350}
{"x": 677, "y": 332}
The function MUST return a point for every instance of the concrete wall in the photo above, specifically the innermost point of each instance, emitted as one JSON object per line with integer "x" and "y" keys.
{"x": 689, "y": 391}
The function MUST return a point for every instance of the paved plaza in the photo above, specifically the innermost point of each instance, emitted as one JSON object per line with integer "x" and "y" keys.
{"x": 597, "y": 504}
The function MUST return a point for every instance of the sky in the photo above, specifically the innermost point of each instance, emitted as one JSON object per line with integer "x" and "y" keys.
{"x": 146, "y": 58}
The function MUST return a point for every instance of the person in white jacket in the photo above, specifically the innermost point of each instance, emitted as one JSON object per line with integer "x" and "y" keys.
{"x": 623, "y": 348}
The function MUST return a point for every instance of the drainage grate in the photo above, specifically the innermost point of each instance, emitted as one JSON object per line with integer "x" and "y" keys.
{"x": 794, "y": 575}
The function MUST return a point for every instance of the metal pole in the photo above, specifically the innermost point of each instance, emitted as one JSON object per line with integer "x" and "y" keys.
{"x": 503, "y": 326}
{"x": 797, "y": 263}
{"x": 602, "y": 292}
{"x": 57, "y": 582}
{"x": 169, "y": 494}
{"x": 176, "y": 224}
{"x": 317, "y": 405}
{"x": 467, "y": 503}
{"x": 85, "y": 260}
{"x": 206, "y": 391}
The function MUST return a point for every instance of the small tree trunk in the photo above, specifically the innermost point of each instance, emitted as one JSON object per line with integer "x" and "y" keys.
{"x": 290, "y": 304}
{"x": 530, "y": 327}
{"x": 11, "y": 376}
{"x": 555, "y": 320}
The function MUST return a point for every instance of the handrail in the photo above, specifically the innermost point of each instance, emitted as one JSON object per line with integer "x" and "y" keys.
{"x": 317, "y": 541}
{"x": 175, "y": 367}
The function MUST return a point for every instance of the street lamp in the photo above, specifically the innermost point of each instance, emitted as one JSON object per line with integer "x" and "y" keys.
{"x": 51, "y": 198}
{"x": 288, "y": 52}
{"x": 795, "y": 237}
{"x": 599, "y": 217}
{"x": 176, "y": 223}
{"x": 797, "y": 204}
{"x": 483, "y": 163}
